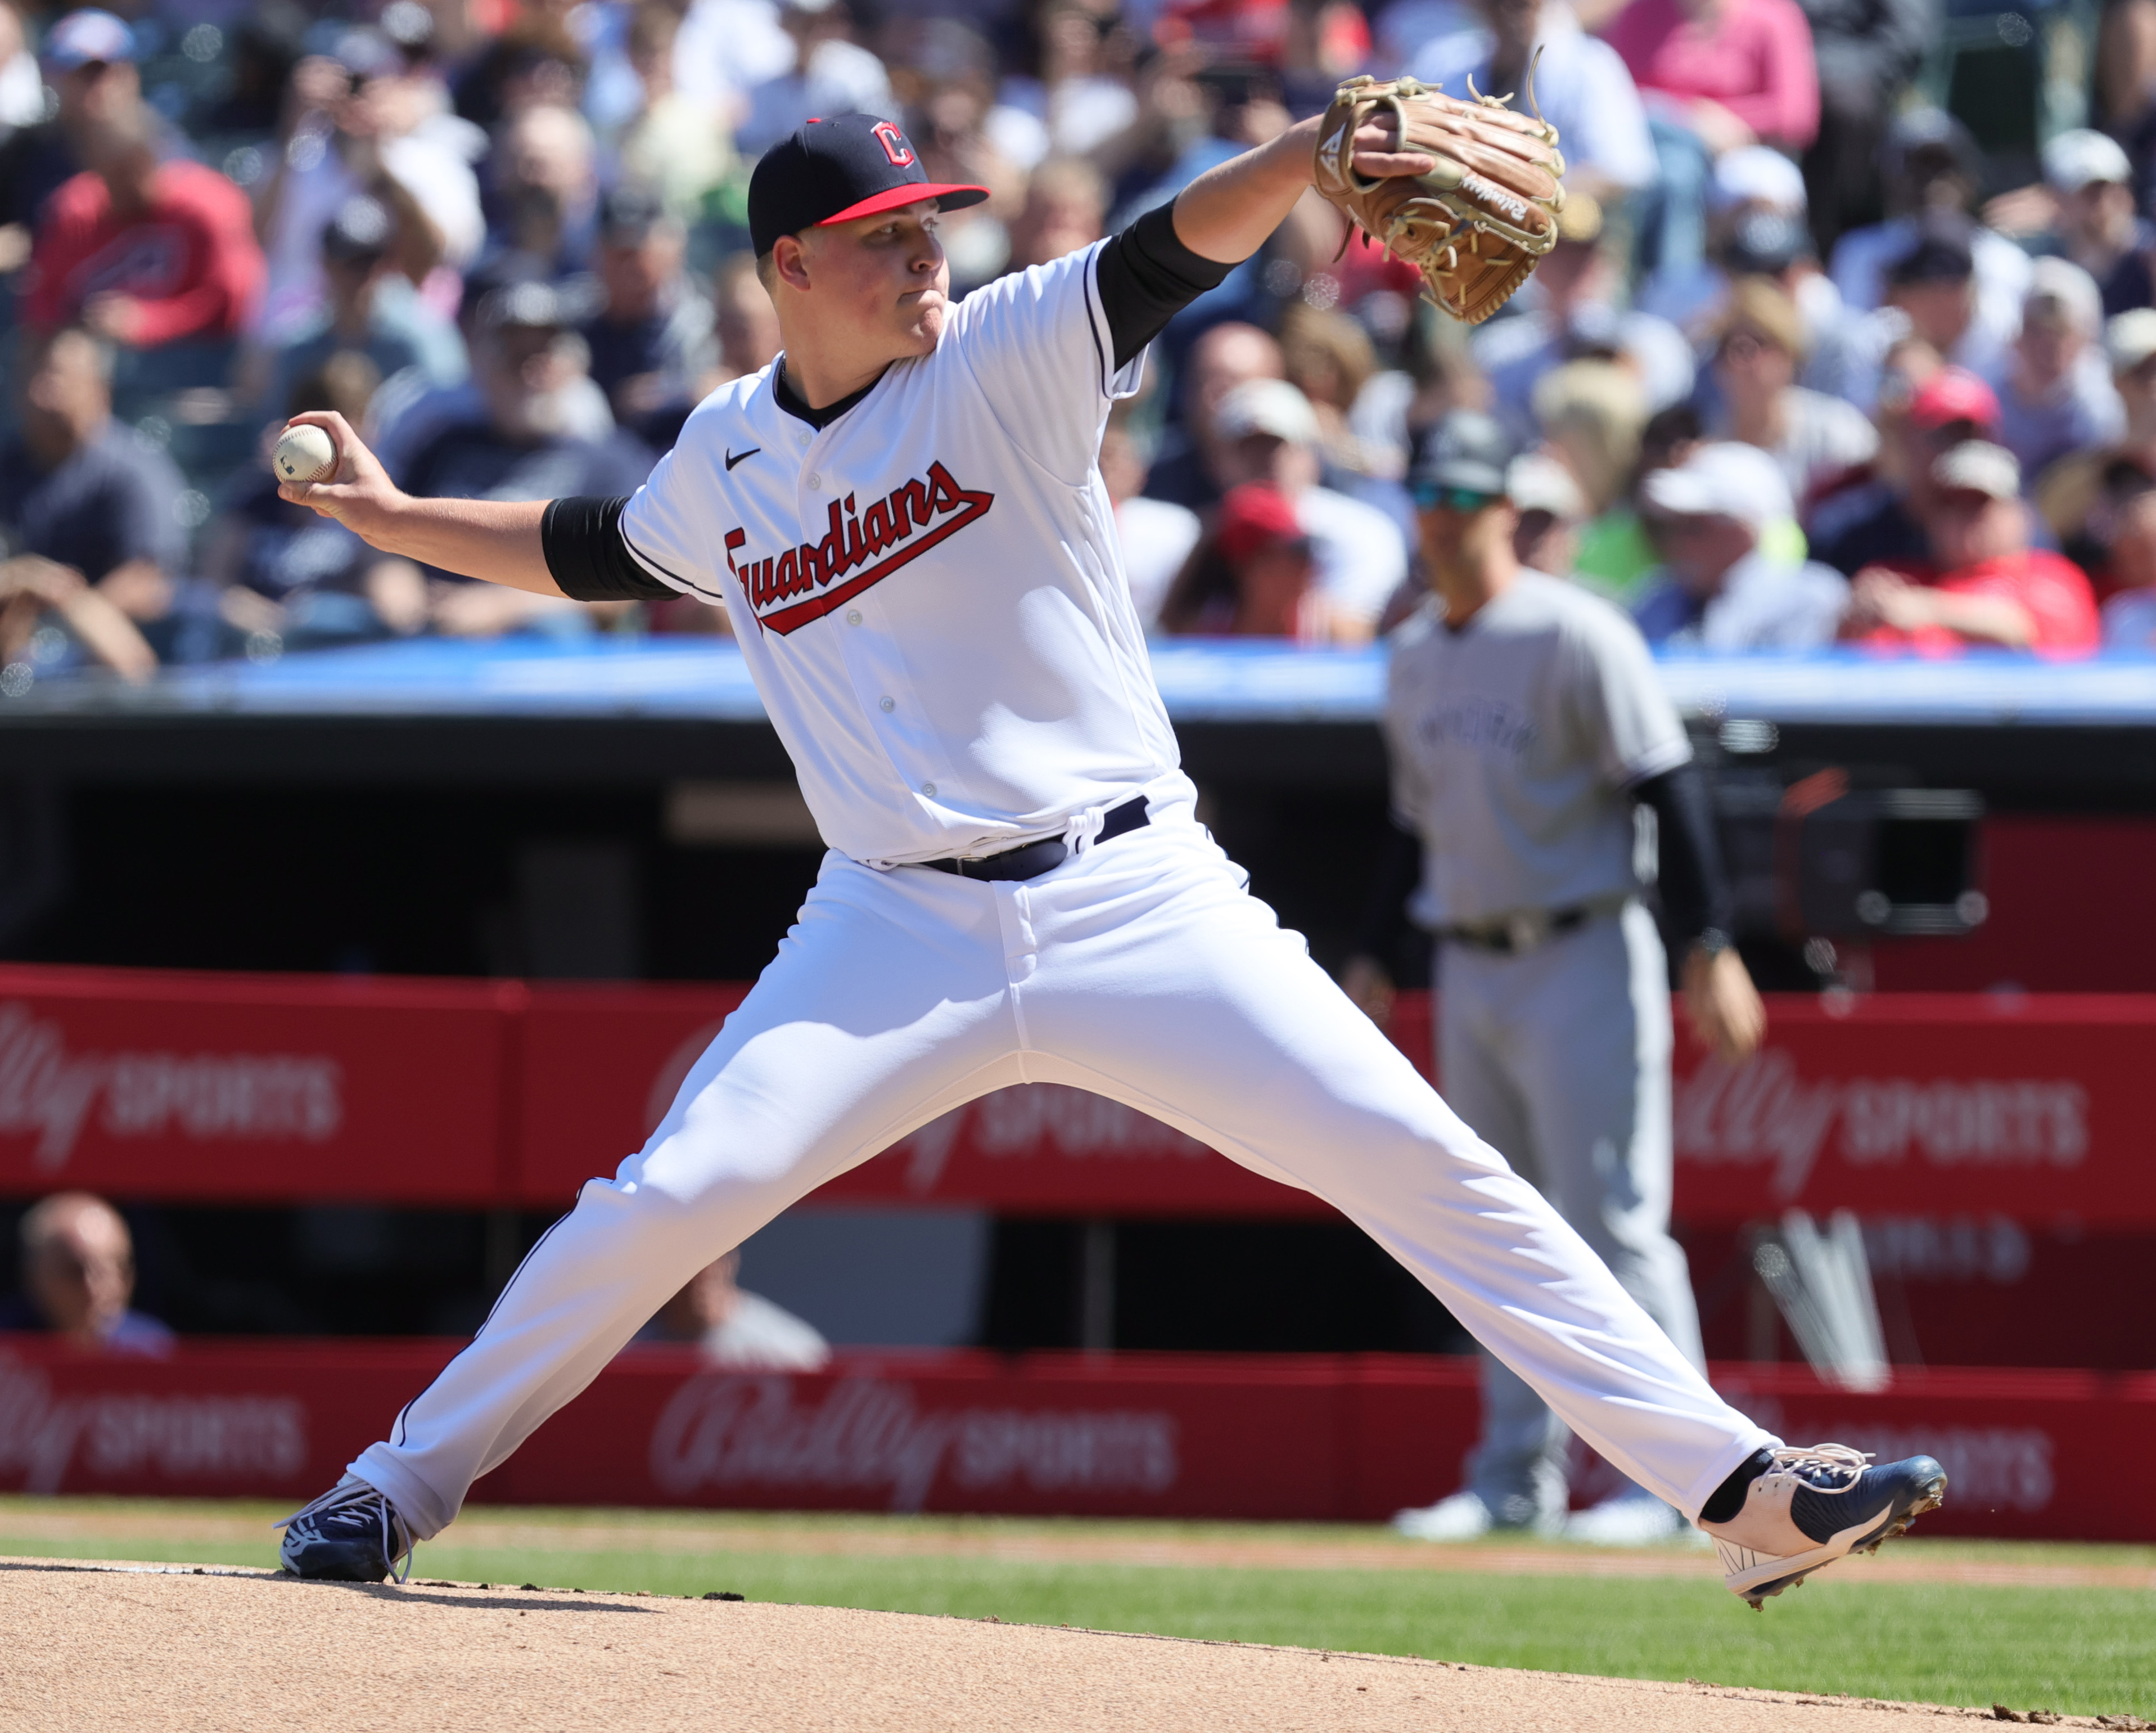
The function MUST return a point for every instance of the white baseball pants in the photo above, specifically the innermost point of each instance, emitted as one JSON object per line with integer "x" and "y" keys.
{"x": 1560, "y": 1060}
{"x": 1141, "y": 969}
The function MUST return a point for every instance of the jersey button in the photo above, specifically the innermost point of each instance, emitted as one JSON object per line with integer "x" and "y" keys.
{"x": 886, "y": 705}
{"x": 929, "y": 790}
{"x": 853, "y": 616}
{"x": 815, "y": 480}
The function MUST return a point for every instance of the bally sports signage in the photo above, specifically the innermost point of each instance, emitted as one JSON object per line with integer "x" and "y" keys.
{"x": 2028, "y": 1110}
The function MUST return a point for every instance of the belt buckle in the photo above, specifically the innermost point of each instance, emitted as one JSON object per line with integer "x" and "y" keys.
{"x": 1526, "y": 929}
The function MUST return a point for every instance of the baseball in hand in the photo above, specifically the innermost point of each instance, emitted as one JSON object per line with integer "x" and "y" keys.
{"x": 304, "y": 454}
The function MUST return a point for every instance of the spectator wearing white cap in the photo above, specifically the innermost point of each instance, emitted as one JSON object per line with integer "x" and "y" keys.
{"x": 1718, "y": 590}
{"x": 2054, "y": 393}
{"x": 1982, "y": 584}
{"x": 1580, "y": 85}
{"x": 2068, "y": 493}
{"x": 1269, "y": 433}
{"x": 1551, "y": 509}
{"x": 2084, "y": 208}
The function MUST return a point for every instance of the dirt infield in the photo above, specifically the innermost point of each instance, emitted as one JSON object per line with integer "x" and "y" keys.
{"x": 150, "y": 1647}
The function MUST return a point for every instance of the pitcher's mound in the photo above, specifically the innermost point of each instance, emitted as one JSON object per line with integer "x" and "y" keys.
{"x": 143, "y": 1646}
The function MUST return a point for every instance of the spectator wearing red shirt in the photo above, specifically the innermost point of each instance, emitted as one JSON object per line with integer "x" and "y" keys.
{"x": 1716, "y": 75}
{"x": 1983, "y": 585}
{"x": 144, "y": 252}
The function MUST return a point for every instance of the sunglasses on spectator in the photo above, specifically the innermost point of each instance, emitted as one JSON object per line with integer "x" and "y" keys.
{"x": 1451, "y": 499}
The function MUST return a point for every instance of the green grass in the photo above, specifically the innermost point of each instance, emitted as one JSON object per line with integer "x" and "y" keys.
{"x": 2078, "y": 1650}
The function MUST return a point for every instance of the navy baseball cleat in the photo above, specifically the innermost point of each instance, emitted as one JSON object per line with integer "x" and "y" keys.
{"x": 1812, "y": 1507}
{"x": 350, "y": 1534}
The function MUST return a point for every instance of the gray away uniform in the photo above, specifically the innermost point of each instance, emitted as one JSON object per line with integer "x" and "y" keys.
{"x": 1516, "y": 741}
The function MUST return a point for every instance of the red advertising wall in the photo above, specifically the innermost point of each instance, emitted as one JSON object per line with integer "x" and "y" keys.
{"x": 172, "y": 1086}
{"x": 1310, "y": 1437}
{"x": 167, "y": 1085}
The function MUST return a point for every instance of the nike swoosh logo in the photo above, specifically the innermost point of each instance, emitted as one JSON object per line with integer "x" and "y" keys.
{"x": 732, "y": 460}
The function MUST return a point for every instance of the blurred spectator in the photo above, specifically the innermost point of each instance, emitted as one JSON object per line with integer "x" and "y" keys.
{"x": 78, "y": 490}
{"x": 1883, "y": 520}
{"x": 1756, "y": 228}
{"x": 1189, "y": 469}
{"x": 536, "y": 62}
{"x": 1592, "y": 413}
{"x": 1331, "y": 360}
{"x": 1255, "y": 575}
{"x": 89, "y": 61}
{"x": 22, "y": 85}
{"x": 1551, "y": 509}
{"x": 527, "y": 363}
{"x": 724, "y": 49}
{"x": 747, "y": 324}
{"x": 2068, "y": 493}
{"x": 831, "y": 74}
{"x": 1270, "y": 435}
{"x": 1066, "y": 207}
{"x": 1074, "y": 88}
{"x": 1980, "y": 583}
{"x": 2057, "y": 396}
{"x": 280, "y": 568}
{"x": 372, "y": 311}
{"x": 1866, "y": 51}
{"x": 363, "y": 120}
{"x": 1570, "y": 311}
{"x": 1580, "y": 85}
{"x": 143, "y": 252}
{"x": 651, "y": 343}
{"x": 680, "y": 147}
{"x": 1717, "y": 76}
{"x": 2083, "y": 208}
{"x": 1719, "y": 589}
{"x": 1932, "y": 166}
{"x": 1933, "y": 294}
{"x": 736, "y": 1328}
{"x": 546, "y": 189}
{"x": 1156, "y": 536}
{"x": 2129, "y": 508}
{"x": 78, "y": 1278}
{"x": 1816, "y": 439}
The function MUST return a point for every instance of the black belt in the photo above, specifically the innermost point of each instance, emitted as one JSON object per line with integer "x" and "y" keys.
{"x": 1522, "y": 933}
{"x": 1032, "y": 859}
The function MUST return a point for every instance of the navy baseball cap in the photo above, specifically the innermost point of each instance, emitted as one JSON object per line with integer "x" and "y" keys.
{"x": 836, "y": 170}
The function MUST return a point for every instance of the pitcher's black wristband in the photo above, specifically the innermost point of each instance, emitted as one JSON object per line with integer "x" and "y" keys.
{"x": 588, "y": 557}
{"x": 1145, "y": 276}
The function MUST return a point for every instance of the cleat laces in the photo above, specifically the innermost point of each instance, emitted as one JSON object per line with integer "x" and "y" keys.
{"x": 345, "y": 1500}
{"x": 1821, "y": 1466}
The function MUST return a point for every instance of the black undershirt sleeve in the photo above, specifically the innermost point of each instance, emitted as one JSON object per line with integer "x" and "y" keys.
{"x": 1145, "y": 276}
{"x": 588, "y": 555}
{"x": 1695, "y": 889}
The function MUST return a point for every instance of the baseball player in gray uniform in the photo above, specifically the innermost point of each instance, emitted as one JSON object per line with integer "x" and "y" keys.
{"x": 1526, "y": 726}
{"x": 904, "y": 518}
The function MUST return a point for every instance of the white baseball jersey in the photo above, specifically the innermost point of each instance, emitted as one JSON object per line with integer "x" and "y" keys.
{"x": 929, "y": 591}
{"x": 1513, "y": 740}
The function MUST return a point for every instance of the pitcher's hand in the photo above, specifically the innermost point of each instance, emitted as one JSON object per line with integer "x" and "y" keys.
{"x": 361, "y": 496}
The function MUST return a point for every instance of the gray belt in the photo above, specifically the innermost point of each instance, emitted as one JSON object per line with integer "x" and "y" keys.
{"x": 1527, "y": 929}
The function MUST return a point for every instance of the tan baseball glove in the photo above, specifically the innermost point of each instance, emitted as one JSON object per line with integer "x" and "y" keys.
{"x": 1479, "y": 221}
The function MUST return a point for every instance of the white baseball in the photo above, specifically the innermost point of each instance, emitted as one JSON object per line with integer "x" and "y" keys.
{"x": 304, "y": 454}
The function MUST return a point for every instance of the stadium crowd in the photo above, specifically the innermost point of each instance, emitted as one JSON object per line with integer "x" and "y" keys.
{"x": 1805, "y": 365}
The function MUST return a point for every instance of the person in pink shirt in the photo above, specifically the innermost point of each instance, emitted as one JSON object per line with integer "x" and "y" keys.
{"x": 1716, "y": 75}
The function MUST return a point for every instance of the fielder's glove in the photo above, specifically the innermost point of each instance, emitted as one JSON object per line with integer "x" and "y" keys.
{"x": 1479, "y": 221}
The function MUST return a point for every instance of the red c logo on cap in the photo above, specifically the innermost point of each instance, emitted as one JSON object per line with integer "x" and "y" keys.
{"x": 893, "y": 144}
